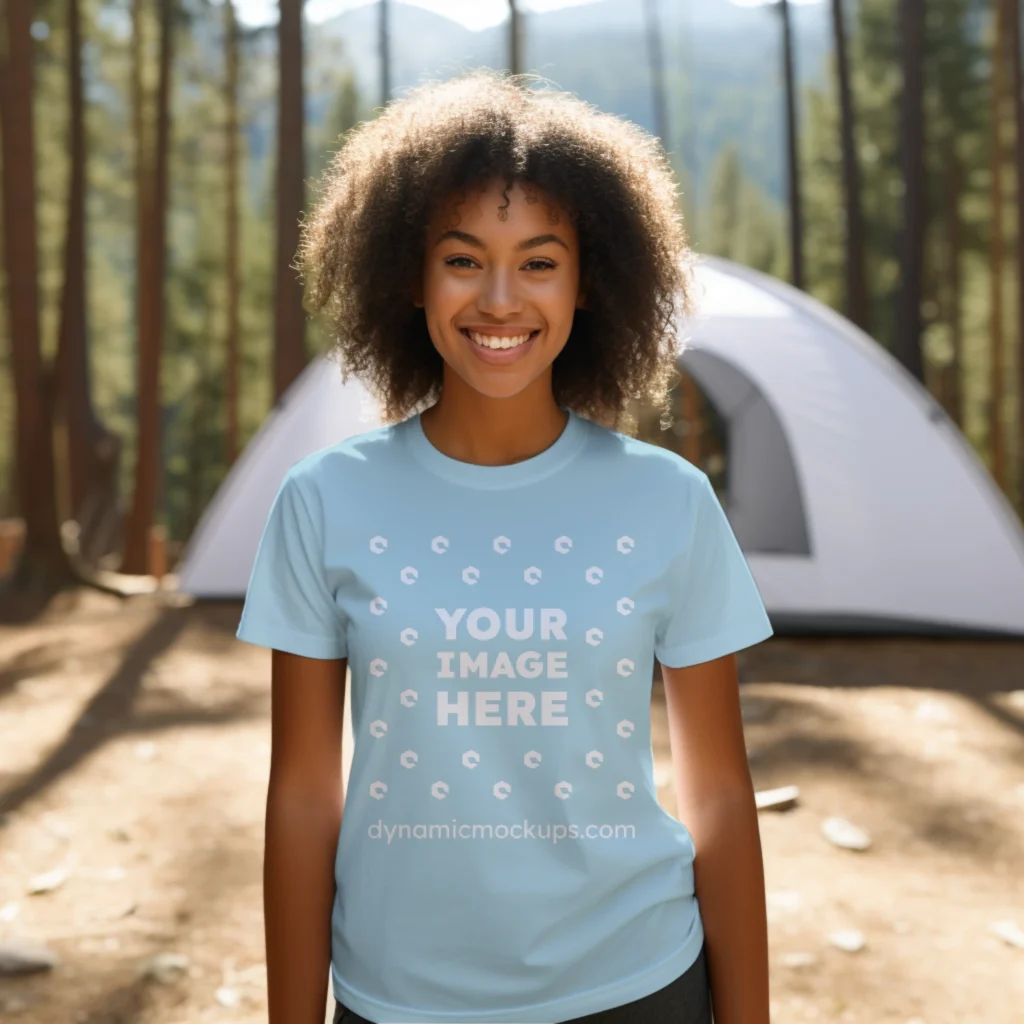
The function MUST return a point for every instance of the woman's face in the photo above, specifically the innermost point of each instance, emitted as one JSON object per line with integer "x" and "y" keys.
{"x": 489, "y": 282}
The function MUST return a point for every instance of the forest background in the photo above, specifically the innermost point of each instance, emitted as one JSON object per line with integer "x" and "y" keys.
{"x": 722, "y": 119}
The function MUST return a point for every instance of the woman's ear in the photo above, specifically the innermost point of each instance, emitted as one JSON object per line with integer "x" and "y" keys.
{"x": 417, "y": 292}
{"x": 581, "y": 301}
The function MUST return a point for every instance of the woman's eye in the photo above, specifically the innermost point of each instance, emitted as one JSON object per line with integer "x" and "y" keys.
{"x": 454, "y": 261}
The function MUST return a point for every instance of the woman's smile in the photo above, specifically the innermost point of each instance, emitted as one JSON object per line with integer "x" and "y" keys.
{"x": 499, "y": 348}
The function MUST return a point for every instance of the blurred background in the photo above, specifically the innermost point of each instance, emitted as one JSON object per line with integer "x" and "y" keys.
{"x": 858, "y": 161}
{"x": 166, "y": 181}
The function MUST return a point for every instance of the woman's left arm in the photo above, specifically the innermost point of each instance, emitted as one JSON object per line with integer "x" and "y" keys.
{"x": 715, "y": 797}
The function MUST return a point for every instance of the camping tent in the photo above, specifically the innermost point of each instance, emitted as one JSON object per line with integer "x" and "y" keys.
{"x": 859, "y": 505}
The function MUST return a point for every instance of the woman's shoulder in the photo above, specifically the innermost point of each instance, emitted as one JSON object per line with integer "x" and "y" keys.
{"x": 375, "y": 452}
{"x": 644, "y": 464}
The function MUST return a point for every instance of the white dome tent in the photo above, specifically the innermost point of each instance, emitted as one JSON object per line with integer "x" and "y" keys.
{"x": 859, "y": 505}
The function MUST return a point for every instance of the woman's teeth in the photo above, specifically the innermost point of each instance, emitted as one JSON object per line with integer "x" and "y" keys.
{"x": 489, "y": 341}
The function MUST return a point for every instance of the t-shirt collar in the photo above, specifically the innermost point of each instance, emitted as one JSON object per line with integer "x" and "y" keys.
{"x": 516, "y": 474}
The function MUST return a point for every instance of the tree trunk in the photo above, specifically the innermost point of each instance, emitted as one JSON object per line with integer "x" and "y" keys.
{"x": 907, "y": 343}
{"x": 384, "y": 48}
{"x": 515, "y": 37}
{"x": 151, "y": 318}
{"x": 796, "y": 220}
{"x": 89, "y": 473}
{"x": 996, "y": 434}
{"x": 655, "y": 64}
{"x": 289, "y": 315}
{"x": 42, "y": 564}
{"x": 1014, "y": 41}
{"x": 954, "y": 285}
{"x": 231, "y": 373}
{"x": 857, "y": 304}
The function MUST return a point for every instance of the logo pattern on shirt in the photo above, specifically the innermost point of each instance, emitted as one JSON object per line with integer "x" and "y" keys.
{"x": 594, "y": 635}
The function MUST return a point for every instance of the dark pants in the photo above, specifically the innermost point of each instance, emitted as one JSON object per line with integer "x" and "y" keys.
{"x": 687, "y": 1000}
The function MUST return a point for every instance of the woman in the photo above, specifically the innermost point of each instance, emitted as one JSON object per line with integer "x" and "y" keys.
{"x": 498, "y": 567}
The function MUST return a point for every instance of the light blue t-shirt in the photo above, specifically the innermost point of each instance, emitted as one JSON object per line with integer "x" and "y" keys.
{"x": 503, "y": 856}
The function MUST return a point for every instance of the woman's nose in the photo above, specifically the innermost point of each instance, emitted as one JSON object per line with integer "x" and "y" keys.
{"x": 499, "y": 294}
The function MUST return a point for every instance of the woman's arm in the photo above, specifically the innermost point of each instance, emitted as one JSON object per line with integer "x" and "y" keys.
{"x": 304, "y": 807}
{"x": 715, "y": 798}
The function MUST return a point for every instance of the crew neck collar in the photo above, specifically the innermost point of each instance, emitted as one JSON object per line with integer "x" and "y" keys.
{"x": 516, "y": 474}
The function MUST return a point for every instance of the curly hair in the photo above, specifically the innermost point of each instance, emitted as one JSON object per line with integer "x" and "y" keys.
{"x": 363, "y": 243}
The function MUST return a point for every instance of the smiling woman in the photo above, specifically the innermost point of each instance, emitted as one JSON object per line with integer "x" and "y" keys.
{"x": 501, "y": 265}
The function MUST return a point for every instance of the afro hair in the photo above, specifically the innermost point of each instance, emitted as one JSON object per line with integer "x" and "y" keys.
{"x": 363, "y": 242}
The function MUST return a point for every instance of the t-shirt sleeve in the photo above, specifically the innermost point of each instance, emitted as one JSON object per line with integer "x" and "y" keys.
{"x": 288, "y": 603}
{"x": 715, "y": 607}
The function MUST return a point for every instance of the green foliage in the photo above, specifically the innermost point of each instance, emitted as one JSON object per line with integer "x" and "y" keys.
{"x": 958, "y": 127}
{"x": 743, "y": 224}
{"x": 192, "y": 373}
{"x": 725, "y": 109}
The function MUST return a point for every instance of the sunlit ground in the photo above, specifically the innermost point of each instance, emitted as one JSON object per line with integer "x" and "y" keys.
{"x": 134, "y": 756}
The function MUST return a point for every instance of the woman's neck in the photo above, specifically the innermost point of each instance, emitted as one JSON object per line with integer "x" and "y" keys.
{"x": 471, "y": 427}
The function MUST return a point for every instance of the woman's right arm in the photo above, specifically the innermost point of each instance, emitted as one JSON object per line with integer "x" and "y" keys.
{"x": 305, "y": 800}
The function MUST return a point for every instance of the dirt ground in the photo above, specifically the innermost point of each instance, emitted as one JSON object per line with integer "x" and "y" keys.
{"x": 134, "y": 749}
